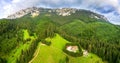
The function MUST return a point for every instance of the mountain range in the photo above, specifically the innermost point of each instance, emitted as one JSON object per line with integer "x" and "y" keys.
{"x": 63, "y": 35}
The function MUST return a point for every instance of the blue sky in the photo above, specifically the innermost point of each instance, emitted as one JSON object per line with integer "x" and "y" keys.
{"x": 108, "y": 8}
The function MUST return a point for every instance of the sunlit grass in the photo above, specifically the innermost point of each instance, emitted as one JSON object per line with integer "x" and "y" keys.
{"x": 54, "y": 53}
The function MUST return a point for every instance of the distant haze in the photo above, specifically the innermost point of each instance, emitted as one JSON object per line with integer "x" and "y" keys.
{"x": 108, "y": 8}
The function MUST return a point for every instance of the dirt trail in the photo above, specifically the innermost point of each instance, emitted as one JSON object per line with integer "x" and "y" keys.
{"x": 36, "y": 52}
{"x": 35, "y": 55}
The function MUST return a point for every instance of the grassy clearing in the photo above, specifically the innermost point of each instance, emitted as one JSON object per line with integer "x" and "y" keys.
{"x": 57, "y": 41}
{"x": 17, "y": 52}
{"x": 91, "y": 58}
{"x": 54, "y": 53}
{"x": 26, "y": 34}
{"x": 48, "y": 54}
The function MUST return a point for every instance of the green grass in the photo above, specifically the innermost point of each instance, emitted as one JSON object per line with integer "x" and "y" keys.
{"x": 54, "y": 53}
{"x": 48, "y": 54}
{"x": 17, "y": 51}
{"x": 26, "y": 34}
{"x": 91, "y": 58}
{"x": 57, "y": 41}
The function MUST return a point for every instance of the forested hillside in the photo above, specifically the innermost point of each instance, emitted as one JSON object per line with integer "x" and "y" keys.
{"x": 19, "y": 37}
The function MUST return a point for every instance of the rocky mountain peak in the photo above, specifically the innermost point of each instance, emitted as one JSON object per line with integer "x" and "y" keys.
{"x": 23, "y": 12}
{"x": 34, "y": 11}
{"x": 65, "y": 11}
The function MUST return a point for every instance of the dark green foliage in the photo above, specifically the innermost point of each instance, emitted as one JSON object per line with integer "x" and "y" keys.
{"x": 99, "y": 38}
{"x": 67, "y": 59}
{"x": 27, "y": 39}
{"x": 46, "y": 42}
{"x": 2, "y": 60}
{"x": 50, "y": 31}
{"x": 27, "y": 55}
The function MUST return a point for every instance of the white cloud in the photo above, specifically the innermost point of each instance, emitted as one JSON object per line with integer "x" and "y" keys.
{"x": 8, "y": 8}
{"x": 94, "y": 4}
{"x": 15, "y": 1}
{"x": 118, "y": 9}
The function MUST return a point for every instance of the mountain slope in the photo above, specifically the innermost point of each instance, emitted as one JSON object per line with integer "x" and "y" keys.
{"x": 90, "y": 30}
{"x": 56, "y": 55}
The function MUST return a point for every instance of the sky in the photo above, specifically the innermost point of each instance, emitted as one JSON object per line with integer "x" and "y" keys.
{"x": 109, "y": 8}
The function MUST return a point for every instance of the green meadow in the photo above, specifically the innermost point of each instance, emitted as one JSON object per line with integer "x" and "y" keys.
{"x": 54, "y": 53}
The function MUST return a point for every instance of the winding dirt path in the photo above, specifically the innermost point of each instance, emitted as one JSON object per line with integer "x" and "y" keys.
{"x": 36, "y": 52}
{"x": 35, "y": 55}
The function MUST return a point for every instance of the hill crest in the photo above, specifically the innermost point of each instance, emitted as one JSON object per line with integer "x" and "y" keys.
{"x": 58, "y": 11}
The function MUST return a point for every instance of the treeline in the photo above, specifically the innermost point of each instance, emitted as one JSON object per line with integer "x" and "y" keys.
{"x": 67, "y": 36}
{"x": 11, "y": 35}
{"x": 50, "y": 30}
{"x": 107, "y": 51}
{"x": 8, "y": 38}
{"x": 27, "y": 55}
